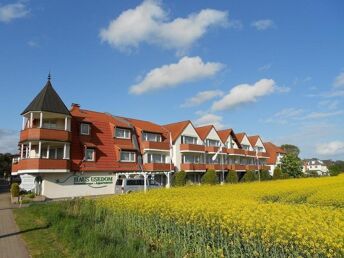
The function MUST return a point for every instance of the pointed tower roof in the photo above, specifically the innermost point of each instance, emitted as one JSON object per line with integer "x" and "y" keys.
{"x": 47, "y": 100}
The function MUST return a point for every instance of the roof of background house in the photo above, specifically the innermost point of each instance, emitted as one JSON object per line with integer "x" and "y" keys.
{"x": 272, "y": 151}
{"x": 147, "y": 126}
{"x": 47, "y": 100}
{"x": 240, "y": 136}
{"x": 203, "y": 131}
{"x": 177, "y": 128}
{"x": 253, "y": 139}
{"x": 224, "y": 134}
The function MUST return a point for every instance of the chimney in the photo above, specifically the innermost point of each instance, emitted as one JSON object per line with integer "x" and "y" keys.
{"x": 75, "y": 106}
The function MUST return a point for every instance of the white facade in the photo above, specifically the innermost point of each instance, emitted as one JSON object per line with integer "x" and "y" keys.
{"x": 315, "y": 166}
{"x": 245, "y": 142}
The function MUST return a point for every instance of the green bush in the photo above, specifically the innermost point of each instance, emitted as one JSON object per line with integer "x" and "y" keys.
{"x": 179, "y": 179}
{"x": 265, "y": 175}
{"x": 209, "y": 178}
{"x": 15, "y": 190}
{"x": 232, "y": 177}
{"x": 250, "y": 176}
{"x": 31, "y": 195}
{"x": 277, "y": 173}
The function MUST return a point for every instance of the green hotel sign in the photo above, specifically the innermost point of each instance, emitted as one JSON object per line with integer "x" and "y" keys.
{"x": 98, "y": 180}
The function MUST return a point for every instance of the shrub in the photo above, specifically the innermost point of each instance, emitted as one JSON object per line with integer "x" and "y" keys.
{"x": 277, "y": 173}
{"x": 209, "y": 177}
{"x": 31, "y": 195}
{"x": 250, "y": 176}
{"x": 265, "y": 175}
{"x": 232, "y": 177}
{"x": 15, "y": 190}
{"x": 179, "y": 179}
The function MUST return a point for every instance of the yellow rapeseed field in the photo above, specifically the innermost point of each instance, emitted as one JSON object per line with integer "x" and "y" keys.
{"x": 296, "y": 217}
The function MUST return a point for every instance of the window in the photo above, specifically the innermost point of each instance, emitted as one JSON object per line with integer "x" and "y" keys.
{"x": 135, "y": 182}
{"x": 151, "y": 137}
{"x": 122, "y": 133}
{"x": 245, "y": 147}
{"x": 89, "y": 154}
{"x": 190, "y": 158}
{"x": 85, "y": 129}
{"x": 189, "y": 139}
{"x": 49, "y": 124}
{"x": 128, "y": 156}
{"x": 119, "y": 181}
{"x": 156, "y": 158}
{"x": 210, "y": 142}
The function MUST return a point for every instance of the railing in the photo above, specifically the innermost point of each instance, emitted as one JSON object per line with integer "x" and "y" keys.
{"x": 191, "y": 147}
{"x": 157, "y": 167}
{"x": 238, "y": 167}
{"x": 263, "y": 155}
{"x": 44, "y": 134}
{"x": 32, "y": 164}
{"x": 192, "y": 167}
{"x": 240, "y": 152}
{"x": 215, "y": 167}
{"x": 156, "y": 145}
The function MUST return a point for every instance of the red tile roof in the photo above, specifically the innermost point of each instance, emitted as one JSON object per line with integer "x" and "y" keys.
{"x": 147, "y": 126}
{"x": 253, "y": 139}
{"x": 203, "y": 131}
{"x": 177, "y": 128}
{"x": 224, "y": 134}
{"x": 240, "y": 136}
{"x": 272, "y": 150}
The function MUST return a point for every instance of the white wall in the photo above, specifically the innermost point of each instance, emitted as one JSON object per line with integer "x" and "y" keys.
{"x": 213, "y": 135}
{"x": 260, "y": 144}
{"x": 245, "y": 141}
{"x": 66, "y": 187}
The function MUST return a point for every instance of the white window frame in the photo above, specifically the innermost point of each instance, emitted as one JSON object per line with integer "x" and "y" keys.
{"x": 145, "y": 136}
{"x": 132, "y": 156}
{"x": 212, "y": 140}
{"x": 49, "y": 124}
{"x": 93, "y": 154}
{"x": 126, "y": 131}
{"x": 150, "y": 158}
{"x": 82, "y": 126}
{"x": 183, "y": 139}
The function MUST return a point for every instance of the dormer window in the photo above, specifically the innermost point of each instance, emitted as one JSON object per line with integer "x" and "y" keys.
{"x": 128, "y": 156}
{"x": 85, "y": 129}
{"x": 90, "y": 154}
{"x": 151, "y": 137}
{"x": 245, "y": 147}
{"x": 122, "y": 133}
{"x": 210, "y": 142}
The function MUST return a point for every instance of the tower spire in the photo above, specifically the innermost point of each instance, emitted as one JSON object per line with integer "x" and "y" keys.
{"x": 49, "y": 76}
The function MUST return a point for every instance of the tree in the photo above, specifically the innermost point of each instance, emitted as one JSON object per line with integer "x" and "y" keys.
{"x": 265, "y": 175}
{"x": 335, "y": 170}
{"x": 232, "y": 177}
{"x": 5, "y": 163}
{"x": 250, "y": 176}
{"x": 179, "y": 179}
{"x": 291, "y": 165}
{"x": 209, "y": 177}
{"x": 289, "y": 148}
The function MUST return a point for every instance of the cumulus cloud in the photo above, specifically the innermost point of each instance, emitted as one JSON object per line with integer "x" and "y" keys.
{"x": 150, "y": 23}
{"x": 339, "y": 81}
{"x": 330, "y": 148}
{"x": 209, "y": 119}
{"x": 202, "y": 97}
{"x": 8, "y": 141}
{"x": 186, "y": 70}
{"x": 244, "y": 93}
{"x": 10, "y": 12}
{"x": 263, "y": 24}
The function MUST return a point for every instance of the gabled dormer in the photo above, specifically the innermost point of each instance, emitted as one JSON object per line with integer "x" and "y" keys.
{"x": 209, "y": 136}
{"x": 257, "y": 143}
{"x": 244, "y": 141}
{"x": 229, "y": 139}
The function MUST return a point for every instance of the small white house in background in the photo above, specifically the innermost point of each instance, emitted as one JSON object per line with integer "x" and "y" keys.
{"x": 315, "y": 165}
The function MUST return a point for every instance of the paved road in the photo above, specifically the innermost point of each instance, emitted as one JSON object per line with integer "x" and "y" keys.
{"x": 11, "y": 243}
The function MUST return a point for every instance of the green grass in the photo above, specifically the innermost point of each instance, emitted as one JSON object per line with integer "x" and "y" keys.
{"x": 78, "y": 229}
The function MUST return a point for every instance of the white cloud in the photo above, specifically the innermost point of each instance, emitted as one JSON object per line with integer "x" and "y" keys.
{"x": 235, "y": 24}
{"x": 149, "y": 23}
{"x": 263, "y": 24}
{"x": 209, "y": 119}
{"x": 330, "y": 148}
{"x": 9, "y": 141}
{"x": 329, "y": 104}
{"x": 10, "y": 12}
{"x": 245, "y": 93}
{"x": 186, "y": 70}
{"x": 283, "y": 116}
{"x": 339, "y": 81}
{"x": 32, "y": 43}
{"x": 318, "y": 115}
{"x": 264, "y": 67}
{"x": 202, "y": 97}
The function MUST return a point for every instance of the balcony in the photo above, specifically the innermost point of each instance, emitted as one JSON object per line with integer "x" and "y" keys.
{"x": 263, "y": 155}
{"x": 157, "y": 167}
{"x": 238, "y": 167}
{"x": 30, "y": 134}
{"x": 193, "y": 167}
{"x": 156, "y": 145}
{"x": 240, "y": 152}
{"x": 250, "y": 153}
{"x": 211, "y": 149}
{"x": 216, "y": 166}
{"x": 39, "y": 164}
{"x": 251, "y": 167}
{"x": 191, "y": 148}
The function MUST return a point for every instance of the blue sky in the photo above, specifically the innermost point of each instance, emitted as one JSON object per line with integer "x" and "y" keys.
{"x": 264, "y": 67}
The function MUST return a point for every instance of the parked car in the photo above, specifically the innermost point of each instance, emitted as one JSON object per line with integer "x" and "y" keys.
{"x": 128, "y": 185}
